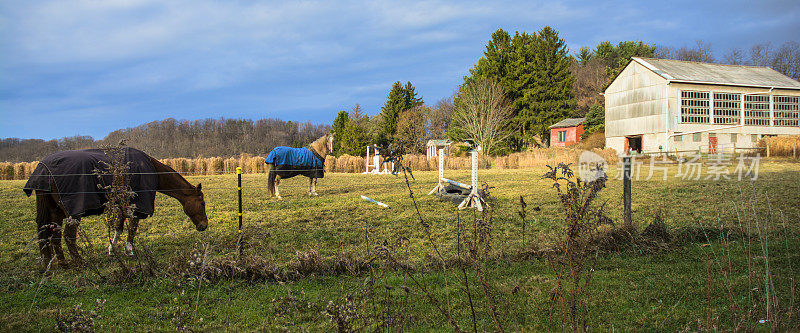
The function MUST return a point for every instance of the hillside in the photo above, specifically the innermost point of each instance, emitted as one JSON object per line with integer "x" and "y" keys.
{"x": 170, "y": 138}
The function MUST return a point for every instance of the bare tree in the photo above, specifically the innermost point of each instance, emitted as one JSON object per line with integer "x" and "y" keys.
{"x": 438, "y": 118}
{"x": 735, "y": 57}
{"x": 701, "y": 53}
{"x": 410, "y": 128}
{"x": 590, "y": 78}
{"x": 482, "y": 114}
{"x": 760, "y": 54}
{"x": 787, "y": 60}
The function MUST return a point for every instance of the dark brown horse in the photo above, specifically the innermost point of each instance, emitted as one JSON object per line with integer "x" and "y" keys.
{"x": 286, "y": 162}
{"x": 51, "y": 210}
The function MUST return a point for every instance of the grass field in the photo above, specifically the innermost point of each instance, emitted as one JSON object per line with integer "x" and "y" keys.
{"x": 686, "y": 285}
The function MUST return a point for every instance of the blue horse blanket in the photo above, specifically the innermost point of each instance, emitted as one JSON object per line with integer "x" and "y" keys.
{"x": 296, "y": 159}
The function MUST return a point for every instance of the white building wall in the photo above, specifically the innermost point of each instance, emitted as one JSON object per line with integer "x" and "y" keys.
{"x": 635, "y": 106}
{"x": 642, "y": 103}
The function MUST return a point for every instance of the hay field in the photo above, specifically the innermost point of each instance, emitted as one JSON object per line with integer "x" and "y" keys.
{"x": 339, "y": 223}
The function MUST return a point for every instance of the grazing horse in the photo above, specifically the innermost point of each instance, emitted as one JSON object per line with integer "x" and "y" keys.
{"x": 286, "y": 162}
{"x": 66, "y": 188}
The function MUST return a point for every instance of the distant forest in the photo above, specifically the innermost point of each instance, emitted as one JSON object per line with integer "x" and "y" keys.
{"x": 172, "y": 138}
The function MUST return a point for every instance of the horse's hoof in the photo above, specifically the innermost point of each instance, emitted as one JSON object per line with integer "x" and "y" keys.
{"x": 129, "y": 248}
{"x": 314, "y": 194}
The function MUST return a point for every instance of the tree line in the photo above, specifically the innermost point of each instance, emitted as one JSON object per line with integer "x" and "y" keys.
{"x": 172, "y": 138}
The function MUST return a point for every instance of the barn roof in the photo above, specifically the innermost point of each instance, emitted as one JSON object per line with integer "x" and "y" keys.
{"x": 706, "y": 73}
{"x": 569, "y": 122}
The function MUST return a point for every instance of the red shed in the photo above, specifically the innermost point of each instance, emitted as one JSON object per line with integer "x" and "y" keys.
{"x": 566, "y": 132}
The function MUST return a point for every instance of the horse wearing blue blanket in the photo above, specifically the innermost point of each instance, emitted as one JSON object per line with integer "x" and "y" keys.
{"x": 287, "y": 162}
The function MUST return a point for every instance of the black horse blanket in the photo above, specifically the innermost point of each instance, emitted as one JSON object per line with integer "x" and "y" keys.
{"x": 70, "y": 175}
{"x": 289, "y": 162}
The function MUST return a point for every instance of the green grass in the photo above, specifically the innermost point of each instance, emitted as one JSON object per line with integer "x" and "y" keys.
{"x": 665, "y": 291}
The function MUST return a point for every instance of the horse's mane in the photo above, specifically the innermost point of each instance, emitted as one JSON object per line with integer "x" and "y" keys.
{"x": 320, "y": 146}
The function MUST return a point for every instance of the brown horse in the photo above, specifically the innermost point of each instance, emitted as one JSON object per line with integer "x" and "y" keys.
{"x": 285, "y": 162}
{"x": 51, "y": 211}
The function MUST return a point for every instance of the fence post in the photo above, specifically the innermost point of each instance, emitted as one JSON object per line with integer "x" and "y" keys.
{"x": 239, "y": 239}
{"x": 626, "y": 191}
{"x": 767, "y": 149}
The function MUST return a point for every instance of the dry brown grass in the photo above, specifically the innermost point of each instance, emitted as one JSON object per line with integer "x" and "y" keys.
{"x": 594, "y": 140}
{"x": 6, "y": 171}
{"x": 785, "y": 146}
{"x": 781, "y": 146}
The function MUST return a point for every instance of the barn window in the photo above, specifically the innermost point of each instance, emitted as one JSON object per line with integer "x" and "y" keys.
{"x": 787, "y": 110}
{"x": 678, "y": 137}
{"x": 734, "y": 137}
{"x": 756, "y": 110}
{"x": 697, "y": 137}
{"x": 694, "y": 107}
{"x": 726, "y": 108}
{"x": 754, "y": 138}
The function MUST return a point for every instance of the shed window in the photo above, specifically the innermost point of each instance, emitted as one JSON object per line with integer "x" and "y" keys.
{"x": 697, "y": 137}
{"x": 787, "y": 110}
{"x": 562, "y": 136}
{"x": 754, "y": 138}
{"x": 727, "y": 107}
{"x": 678, "y": 137}
{"x": 756, "y": 110}
{"x": 694, "y": 107}
{"x": 734, "y": 137}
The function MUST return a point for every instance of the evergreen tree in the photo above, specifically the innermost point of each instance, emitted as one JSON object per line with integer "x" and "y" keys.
{"x": 400, "y": 98}
{"x": 337, "y": 129}
{"x": 355, "y": 137}
{"x": 495, "y": 61}
{"x": 549, "y": 97}
{"x": 595, "y": 120}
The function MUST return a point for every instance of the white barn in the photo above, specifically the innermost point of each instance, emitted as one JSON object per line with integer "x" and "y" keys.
{"x": 657, "y": 105}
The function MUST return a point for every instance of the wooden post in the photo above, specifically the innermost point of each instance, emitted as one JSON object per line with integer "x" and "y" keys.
{"x": 239, "y": 239}
{"x": 439, "y": 182}
{"x": 767, "y": 148}
{"x": 626, "y": 192}
{"x": 794, "y": 151}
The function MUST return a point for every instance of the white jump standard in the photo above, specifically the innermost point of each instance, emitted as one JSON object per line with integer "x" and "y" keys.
{"x": 376, "y": 164}
{"x": 473, "y": 199}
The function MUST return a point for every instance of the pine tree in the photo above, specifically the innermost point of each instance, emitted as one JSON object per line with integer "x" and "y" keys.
{"x": 400, "y": 98}
{"x": 355, "y": 137}
{"x": 549, "y": 98}
{"x": 337, "y": 129}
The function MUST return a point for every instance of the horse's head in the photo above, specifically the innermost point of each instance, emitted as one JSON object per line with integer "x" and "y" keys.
{"x": 195, "y": 207}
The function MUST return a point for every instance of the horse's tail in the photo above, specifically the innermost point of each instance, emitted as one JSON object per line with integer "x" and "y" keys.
{"x": 271, "y": 179}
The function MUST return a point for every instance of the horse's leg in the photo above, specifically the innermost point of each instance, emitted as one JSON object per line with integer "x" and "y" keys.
{"x": 277, "y": 182}
{"x": 119, "y": 226}
{"x": 44, "y": 228}
{"x": 310, "y": 186}
{"x": 314, "y": 186}
{"x": 71, "y": 237}
{"x": 56, "y": 238}
{"x": 132, "y": 227}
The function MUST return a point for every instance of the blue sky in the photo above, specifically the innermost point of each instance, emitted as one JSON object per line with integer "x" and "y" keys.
{"x": 91, "y": 67}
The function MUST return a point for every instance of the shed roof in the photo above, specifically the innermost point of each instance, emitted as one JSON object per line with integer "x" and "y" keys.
{"x": 706, "y": 73}
{"x": 569, "y": 122}
{"x": 438, "y": 142}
